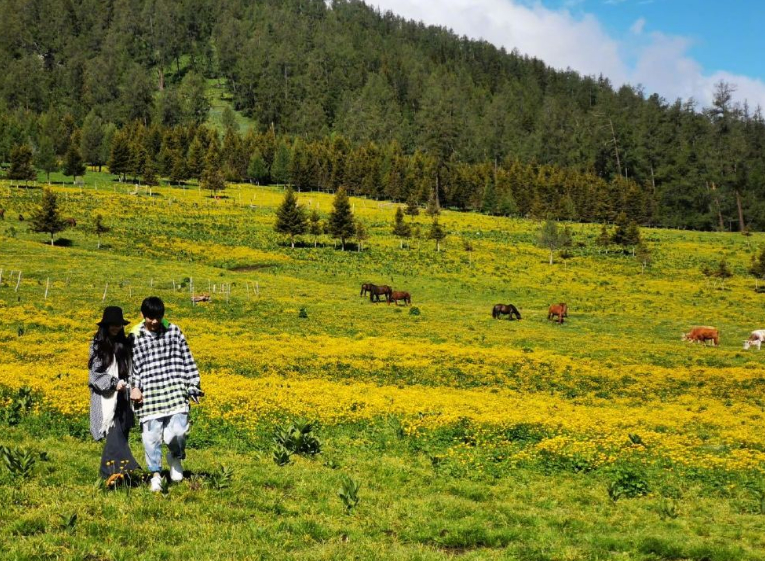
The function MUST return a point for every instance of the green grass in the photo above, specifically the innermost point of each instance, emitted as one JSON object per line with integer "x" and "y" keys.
{"x": 454, "y": 491}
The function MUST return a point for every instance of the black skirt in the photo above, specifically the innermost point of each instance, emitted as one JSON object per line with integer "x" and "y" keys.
{"x": 117, "y": 457}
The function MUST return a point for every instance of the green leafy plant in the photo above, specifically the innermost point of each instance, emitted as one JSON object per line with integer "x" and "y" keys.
{"x": 628, "y": 483}
{"x": 303, "y": 313}
{"x": 19, "y": 461}
{"x": 414, "y": 311}
{"x": 757, "y": 489}
{"x": 298, "y": 438}
{"x": 281, "y": 455}
{"x": 221, "y": 478}
{"x": 667, "y": 508}
{"x": 349, "y": 493}
{"x": 69, "y": 522}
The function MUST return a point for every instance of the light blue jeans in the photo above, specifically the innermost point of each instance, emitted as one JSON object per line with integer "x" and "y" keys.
{"x": 172, "y": 430}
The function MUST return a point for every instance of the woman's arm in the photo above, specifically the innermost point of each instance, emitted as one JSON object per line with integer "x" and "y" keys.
{"x": 100, "y": 382}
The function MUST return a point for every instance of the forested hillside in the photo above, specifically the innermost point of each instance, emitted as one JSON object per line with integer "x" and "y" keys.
{"x": 342, "y": 94}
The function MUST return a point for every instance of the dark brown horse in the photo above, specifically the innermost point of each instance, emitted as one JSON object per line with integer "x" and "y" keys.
{"x": 376, "y": 291}
{"x": 366, "y": 287}
{"x": 507, "y": 309}
{"x": 560, "y": 310}
{"x": 400, "y": 295}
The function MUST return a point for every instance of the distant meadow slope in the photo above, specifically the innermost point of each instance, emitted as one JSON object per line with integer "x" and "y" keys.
{"x": 460, "y": 398}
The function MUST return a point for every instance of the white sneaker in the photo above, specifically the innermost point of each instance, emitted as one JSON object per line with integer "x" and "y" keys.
{"x": 176, "y": 468}
{"x": 156, "y": 483}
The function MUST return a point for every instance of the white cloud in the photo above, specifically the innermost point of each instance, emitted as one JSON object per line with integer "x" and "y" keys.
{"x": 638, "y": 26}
{"x": 659, "y": 62}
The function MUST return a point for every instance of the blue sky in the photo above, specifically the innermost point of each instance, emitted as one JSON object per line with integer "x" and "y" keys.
{"x": 676, "y": 48}
{"x": 724, "y": 35}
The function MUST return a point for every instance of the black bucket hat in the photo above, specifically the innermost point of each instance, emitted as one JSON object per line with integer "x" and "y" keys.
{"x": 112, "y": 316}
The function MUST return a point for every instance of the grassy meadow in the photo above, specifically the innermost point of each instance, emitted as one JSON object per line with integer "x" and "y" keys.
{"x": 605, "y": 437}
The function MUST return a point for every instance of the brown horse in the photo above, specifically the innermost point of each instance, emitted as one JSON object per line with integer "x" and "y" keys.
{"x": 366, "y": 287}
{"x": 507, "y": 309}
{"x": 400, "y": 295}
{"x": 2, "y": 214}
{"x": 375, "y": 292}
{"x": 560, "y": 310}
{"x": 71, "y": 222}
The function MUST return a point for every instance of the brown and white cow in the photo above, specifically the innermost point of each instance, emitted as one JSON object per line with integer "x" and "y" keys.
{"x": 756, "y": 339}
{"x": 702, "y": 335}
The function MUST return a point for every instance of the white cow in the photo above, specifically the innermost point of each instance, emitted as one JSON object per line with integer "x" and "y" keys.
{"x": 756, "y": 338}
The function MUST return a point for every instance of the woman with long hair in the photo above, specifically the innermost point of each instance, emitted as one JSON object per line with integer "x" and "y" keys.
{"x": 111, "y": 416}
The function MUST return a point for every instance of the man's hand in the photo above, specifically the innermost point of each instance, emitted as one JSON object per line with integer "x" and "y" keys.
{"x": 136, "y": 395}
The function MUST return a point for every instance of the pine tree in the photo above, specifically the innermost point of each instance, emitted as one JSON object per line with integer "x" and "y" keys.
{"x": 213, "y": 180}
{"x": 119, "y": 157}
{"x": 643, "y": 255}
{"x": 434, "y": 208}
{"x": 550, "y": 237}
{"x": 150, "y": 173}
{"x": 436, "y": 233}
{"x": 401, "y": 228}
{"x": 257, "y": 170}
{"x": 604, "y": 238}
{"x": 47, "y": 218}
{"x": 178, "y": 171}
{"x": 315, "y": 227}
{"x": 196, "y": 159}
{"x": 360, "y": 234}
{"x": 280, "y": 170}
{"x": 412, "y": 206}
{"x": 100, "y": 228}
{"x": 91, "y": 139}
{"x": 758, "y": 265}
{"x": 341, "y": 221}
{"x": 627, "y": 232}
{"x": 290, "y": 218}
{"x": 45, "y": 159}
{"x": 22, "y": 167}
{"x": 73, "y": 162}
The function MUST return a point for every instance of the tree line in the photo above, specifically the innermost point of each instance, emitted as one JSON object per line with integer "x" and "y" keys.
{"x": 386, "y": 93}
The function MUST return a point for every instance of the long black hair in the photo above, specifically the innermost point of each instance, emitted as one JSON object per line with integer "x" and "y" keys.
{"x": 106, "y": 348}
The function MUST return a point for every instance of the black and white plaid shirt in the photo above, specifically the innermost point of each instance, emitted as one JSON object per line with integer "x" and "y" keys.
{"x": 164, "y": 371}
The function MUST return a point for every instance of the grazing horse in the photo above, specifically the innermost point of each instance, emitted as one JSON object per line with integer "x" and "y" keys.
{"x": 2, "y": 214}
{"x": 560, "y": 310}
{"x": 366, "y": 287}
{"x": 507, "y": 309}
{"x": 400, "y": 295}
{"x": 71, "y": 222}
{"x": 375, "y": 292}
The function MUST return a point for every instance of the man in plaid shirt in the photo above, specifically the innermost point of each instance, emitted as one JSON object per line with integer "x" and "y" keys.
{"x": 164, "y": 377}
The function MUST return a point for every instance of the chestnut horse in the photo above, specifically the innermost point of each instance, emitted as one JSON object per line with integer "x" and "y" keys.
{"x": 375, "y": 292}
{"x": 400, "y": 295}
{"x": 366, "y": 287}
{"x": 560, "y": 310}
{"x": 507, "y": 309}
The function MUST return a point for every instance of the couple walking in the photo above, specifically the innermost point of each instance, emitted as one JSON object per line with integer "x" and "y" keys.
{"x": 152, "y": 367}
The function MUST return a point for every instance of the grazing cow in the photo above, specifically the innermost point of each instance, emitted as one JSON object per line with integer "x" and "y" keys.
{"x": 702, "y": 335}
{"x": 507, "y": 309}
{"x": 756, "y": 338}
{"x": 71, "y": 222}
{"x": 400, "y": 295}
{"x": 204, "y": 297}
{"x": 366, "y": 287}
{"x": 560, "y": 310}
